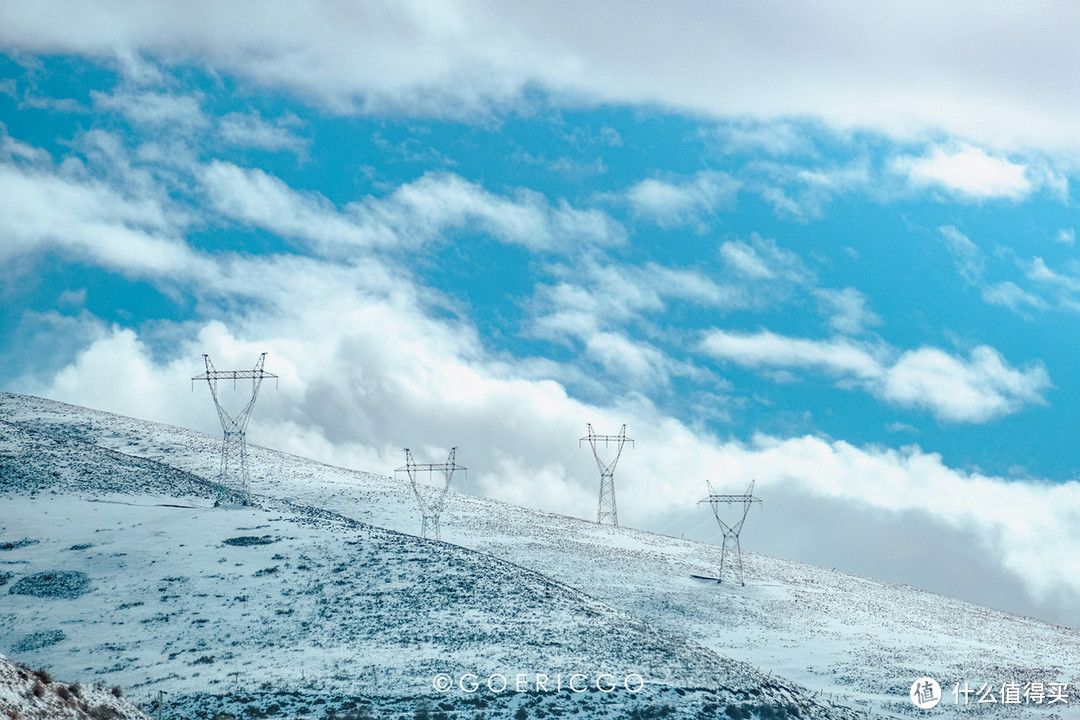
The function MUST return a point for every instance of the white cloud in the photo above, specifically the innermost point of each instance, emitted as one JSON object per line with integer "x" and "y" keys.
{"x": 671, "y": 204}
{"x": 764, "y": 61}
{"x": 11, "y": 150}
{"x": 773, "y": 138}
{"x": 421, "y": 211}
{"x": 966, "y": 255}
{"x": 91, "y": 221}
{"x": 257, "y": 198}
{"x": 803, "y": 193}
{"x": 841, "y": 358}
{"x": 971, "y": 265}
{"x": 1015, "y": 521}
{"x": 1066, "y": 236}
{"x": 1062, "y": 287}
{"x": 177, "y": 113}
{"x": 597, "y": 305}
{"x": 762, "y": 259}
{"x": 847, "y": 310}
{"x": 975, "y": 390}
{"x": 249, "y": 130}
{"x": 968, "y": 172}
{"x": 1009, "y": 294}
{"x": 1038, "y": 271}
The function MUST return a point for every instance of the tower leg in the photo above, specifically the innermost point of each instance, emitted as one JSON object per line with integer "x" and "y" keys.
{"x": 606, "y": 509}
{"x": 233, "y": 474}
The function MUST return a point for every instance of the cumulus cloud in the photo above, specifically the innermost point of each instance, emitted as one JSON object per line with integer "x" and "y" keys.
{"x": 968, "y": 172}
{"x": 973, "y": 390}
{"x": 255, "y": 197}
{"x": 1039, "y": 271}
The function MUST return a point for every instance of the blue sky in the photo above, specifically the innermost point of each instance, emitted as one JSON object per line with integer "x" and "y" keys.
{"x": 841, "y": 263}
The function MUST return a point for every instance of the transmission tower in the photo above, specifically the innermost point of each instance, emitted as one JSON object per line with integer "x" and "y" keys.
{"x": 234, "y": 473}
{"x": 431, "y": 506}
{"x": 605, "y": 508}
{"x": 731, "y": 532}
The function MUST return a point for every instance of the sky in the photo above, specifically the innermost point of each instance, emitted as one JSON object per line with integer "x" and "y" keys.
{"x": 829, "y": 248}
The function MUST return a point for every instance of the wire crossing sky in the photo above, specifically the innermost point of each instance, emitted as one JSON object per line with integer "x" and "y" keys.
{"x": 830, "y": 249}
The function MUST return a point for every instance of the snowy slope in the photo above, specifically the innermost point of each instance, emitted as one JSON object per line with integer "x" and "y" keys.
{"x": 35, "y": 695}
{"x": 847, "y": 639}
{"x": 121, "y": 568}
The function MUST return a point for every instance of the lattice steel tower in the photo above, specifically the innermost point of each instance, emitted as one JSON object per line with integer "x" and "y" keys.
{"x": 731, "y": 531}
{"x": 233, "y": 472}
{"x": 430, "y": 507}
{"x": 605, "y": 508}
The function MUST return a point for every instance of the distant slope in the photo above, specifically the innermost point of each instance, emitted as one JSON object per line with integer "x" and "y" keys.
{"x": 119, "y": 567}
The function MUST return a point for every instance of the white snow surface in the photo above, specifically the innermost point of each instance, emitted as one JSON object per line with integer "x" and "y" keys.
{"x": 343, "y": 598}
{"x": 32, "y": 695}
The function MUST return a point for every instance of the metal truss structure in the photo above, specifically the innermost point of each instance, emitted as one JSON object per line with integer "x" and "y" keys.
{"x": 432, "y": 505}
{"x": 233, "y": 473}
{"x": 606, "y": 508}
{"x": 731, "y": 531}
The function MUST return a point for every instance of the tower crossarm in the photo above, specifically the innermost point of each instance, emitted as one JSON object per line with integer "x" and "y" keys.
{"x": 606, "y": 439}
{"x": 422, "y": 467}
{"x": 235, "y": 375}
{"x": 594, "y": 438}
{"x": 729, "y": 499}
{"x": 234, "y": 425}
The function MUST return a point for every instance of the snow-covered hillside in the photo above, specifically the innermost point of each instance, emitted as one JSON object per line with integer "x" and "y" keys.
{"x": 27, "y": 694}
{"x": 321, "y": 592}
